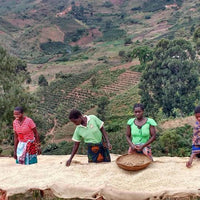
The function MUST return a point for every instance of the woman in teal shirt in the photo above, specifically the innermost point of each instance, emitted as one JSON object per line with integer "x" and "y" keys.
{"x": 140, "y": 132}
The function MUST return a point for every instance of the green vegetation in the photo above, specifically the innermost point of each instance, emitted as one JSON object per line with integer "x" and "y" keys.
{"x": 96, "y": 38}
{"x": 78, "y": 12}
{"x": 105, "y": 77}
{"x": 42, "y": 81}
{"x": 6, "y": 26}
{"x": 155, "y": 5}
{"x": 13, "y": 73}
{"x": 40, "y": 59}
{"x": 63, "y": 148}
{"x": 59, "y": 97}
{"x": 144, "y": 53}
{"x": 196, "y": 39}
{"x": 173, "y": 142}
{"x": 112, "y": 34}
{"x": 170, "y": 81}
{"x": 54, "y": 47}
{"x": 113, "y": 22}
{"x": 102, "y": 107}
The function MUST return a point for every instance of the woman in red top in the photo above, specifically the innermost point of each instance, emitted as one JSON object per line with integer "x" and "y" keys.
{"x": 26, "y": 138}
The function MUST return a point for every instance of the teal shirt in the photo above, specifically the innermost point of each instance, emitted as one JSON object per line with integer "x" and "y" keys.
{"x": 90, "y": 133}
{"x": 140, "y": 136}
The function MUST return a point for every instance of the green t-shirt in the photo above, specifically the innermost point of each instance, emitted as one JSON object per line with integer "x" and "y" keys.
{"x": 142, "y": 135}
{"x": 90, "y": 133}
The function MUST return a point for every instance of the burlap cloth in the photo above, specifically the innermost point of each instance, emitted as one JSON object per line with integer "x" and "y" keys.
{"x": 165, "y": 177}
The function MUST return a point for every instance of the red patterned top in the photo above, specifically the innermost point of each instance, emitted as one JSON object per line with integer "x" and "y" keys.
{"x": 24, "y": 131}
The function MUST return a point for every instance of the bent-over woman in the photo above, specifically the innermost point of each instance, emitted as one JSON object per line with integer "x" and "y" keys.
{"x": 26, "y": 138}
{"x": 90, "y": 129}
{"x": 140, "y": 132}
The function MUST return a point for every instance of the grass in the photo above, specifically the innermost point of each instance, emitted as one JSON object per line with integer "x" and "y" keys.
{"x": 110, "y": 43}
{"x": 50, "y": 70}
{"x": 122, "y": 104}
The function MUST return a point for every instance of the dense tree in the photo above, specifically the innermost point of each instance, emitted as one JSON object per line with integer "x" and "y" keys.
{"x": 42, "y": 81}
{"x": 144, "y": 53}
{"x": 12, "y": 74}
{"x": 78, "y": 12}
{"x": 170, "y": 81}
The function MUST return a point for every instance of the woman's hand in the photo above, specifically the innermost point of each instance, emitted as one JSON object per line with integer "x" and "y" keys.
{"x": 68, "y": 162}
{"x": 188, "y": 164}
{"x": 139, "y": 147}
{"x": 133, "y": 147}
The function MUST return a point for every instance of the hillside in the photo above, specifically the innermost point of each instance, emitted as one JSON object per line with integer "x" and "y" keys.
{"x": 166, "y": 178}
{"x": 39, "y": 31}
{"x": 84, "y": 51}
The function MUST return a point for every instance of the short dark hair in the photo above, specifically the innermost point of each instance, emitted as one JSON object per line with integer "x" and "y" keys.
{"x": 138, "y": 105}
{"x": 20, "y": 109}
{"x": 197, "y": 110}
{"x": 74, "y": 114}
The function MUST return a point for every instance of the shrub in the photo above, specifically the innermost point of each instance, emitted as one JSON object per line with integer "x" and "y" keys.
{"x": 42, "y": 81}
{"x": 173, "y": 142}
{"x": 113, "y": 34}
{"x": 107, "y": 4}
{"x": 147, "y": 17}
{"x": 128, "y": 41}
{"x": 53, "y": 47}
{"x": 122, "y": 53}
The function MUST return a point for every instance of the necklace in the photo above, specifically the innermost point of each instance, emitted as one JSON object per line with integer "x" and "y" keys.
{"x": 140, "y": 123}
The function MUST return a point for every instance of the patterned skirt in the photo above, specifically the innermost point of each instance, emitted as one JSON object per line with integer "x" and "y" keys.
{"x": 27, "y": 152}
{"x": 98, "y": 153}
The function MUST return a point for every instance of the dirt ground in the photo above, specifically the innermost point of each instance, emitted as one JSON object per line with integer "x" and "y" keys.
{"x": 178, "y": 122}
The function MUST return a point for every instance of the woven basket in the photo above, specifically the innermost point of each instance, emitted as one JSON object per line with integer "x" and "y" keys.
{"x": 133, "y": 162}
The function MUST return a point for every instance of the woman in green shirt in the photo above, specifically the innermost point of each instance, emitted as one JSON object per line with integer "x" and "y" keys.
{"x": 89, "y": 128}
{"x": 140, "y": 132}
